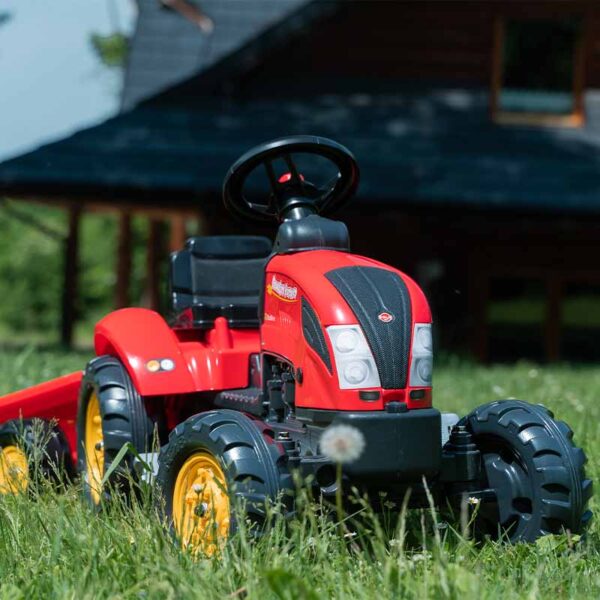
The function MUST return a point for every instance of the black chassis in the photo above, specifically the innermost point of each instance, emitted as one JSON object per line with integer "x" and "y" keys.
{"x": 403, "y": 450}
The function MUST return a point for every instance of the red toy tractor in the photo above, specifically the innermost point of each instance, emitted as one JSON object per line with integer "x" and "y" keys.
{"x": 268, "y": 347}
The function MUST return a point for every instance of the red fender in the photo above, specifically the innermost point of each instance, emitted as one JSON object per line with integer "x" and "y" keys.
{"x": 137, "y": 336}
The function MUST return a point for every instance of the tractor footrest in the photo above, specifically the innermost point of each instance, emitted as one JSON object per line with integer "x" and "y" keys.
{"x": 248, "y": 400}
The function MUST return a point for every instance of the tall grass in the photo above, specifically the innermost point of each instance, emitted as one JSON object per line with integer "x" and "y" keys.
{"x": 52, "y": 545}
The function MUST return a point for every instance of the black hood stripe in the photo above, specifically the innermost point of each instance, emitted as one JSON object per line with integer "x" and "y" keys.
{"x": 313, "y": 333}
{"x": 371, "y": 291}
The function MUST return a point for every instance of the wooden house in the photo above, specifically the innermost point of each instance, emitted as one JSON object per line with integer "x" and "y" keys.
{"x": 476, "y": 125}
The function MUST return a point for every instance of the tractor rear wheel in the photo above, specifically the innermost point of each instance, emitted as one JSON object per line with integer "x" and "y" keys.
{"x": 111, "y": 414}
{"x": 210, "y": 460}
{"x": 32, "y": 449}
{"x": 535, "y": 471}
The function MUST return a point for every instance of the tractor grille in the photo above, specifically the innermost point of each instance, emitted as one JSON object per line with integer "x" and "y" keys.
{"x": 371, "y": 291}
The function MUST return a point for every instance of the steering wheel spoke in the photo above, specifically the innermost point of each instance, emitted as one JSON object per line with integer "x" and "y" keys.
{"x": 272, "y": 177}
{"x": 295, "y": 176}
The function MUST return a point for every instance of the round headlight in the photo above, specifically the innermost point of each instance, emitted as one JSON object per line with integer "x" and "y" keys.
{"x": 347, "y": 341}
{"x": 424, "y": 368}
{"x": 425, "y": 338}
{"x": 356, "y": 372}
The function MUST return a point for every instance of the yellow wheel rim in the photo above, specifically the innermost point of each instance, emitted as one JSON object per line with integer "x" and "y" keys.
{"x": 94, "y": 448}
{"x": 201, "y": 511}
{"x": 14, "y": 470}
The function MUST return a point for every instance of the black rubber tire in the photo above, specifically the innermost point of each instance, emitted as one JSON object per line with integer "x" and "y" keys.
{"x": 254, "y": 465}
{"x": 539, "y": 472}
{"x": 53, "y": 459}
{"x": 124, "y": 419}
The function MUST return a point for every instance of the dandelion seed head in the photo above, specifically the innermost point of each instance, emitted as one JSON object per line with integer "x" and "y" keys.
{"x": 342, "y": 443}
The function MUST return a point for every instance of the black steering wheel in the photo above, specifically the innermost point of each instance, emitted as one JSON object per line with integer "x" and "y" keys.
{"x": 291, "y": 195}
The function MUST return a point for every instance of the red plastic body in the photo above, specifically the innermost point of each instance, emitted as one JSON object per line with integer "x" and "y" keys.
{"x": 218, "y": 359}
{"x": 281, "y": 332}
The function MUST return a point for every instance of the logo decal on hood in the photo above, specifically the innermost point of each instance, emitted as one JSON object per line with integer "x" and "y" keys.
{"x": 281, "y": 290}
{"x": 385, "y": 317}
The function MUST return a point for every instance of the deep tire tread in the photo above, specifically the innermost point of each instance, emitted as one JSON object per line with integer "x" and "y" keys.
{"x": 55, "y": 460}
{"x": 124, "y": 418}
{"x": 255, "y": 468}
{"x": 555, "y": 464}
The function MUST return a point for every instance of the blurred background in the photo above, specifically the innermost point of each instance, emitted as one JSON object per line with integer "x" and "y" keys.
{"x": 476, "y": 125}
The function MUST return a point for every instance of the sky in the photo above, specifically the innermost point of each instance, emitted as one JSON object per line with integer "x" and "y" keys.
{"x": 51, "y": 81}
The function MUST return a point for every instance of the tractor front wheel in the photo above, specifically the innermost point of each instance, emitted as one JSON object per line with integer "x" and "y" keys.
{"x": 533, "y": 470}
{"x": 213, "y": 460}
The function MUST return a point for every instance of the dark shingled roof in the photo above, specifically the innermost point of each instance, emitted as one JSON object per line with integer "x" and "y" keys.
{"x": 168, "y": 48}
{"x": 414, "y": 146}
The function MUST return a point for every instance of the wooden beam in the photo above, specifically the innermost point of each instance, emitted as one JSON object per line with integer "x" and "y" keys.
{"x": 152, "y": 212}
{"x": 154, "y": 254}
{"x": 94, "y": 204}
{"x": 70, "y": 276}
{"x": 124, "y": 245}
{"x": 552, "y": 327}
{"x": 178, "y": 232}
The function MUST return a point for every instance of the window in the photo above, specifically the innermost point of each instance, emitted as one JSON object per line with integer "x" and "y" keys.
{"x": 538, "y": 72}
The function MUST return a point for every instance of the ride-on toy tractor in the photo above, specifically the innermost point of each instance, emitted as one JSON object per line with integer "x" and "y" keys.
{"x": 267, "y": 347}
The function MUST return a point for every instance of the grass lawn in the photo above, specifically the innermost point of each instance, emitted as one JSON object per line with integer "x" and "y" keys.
{"x": 55, "y": 547}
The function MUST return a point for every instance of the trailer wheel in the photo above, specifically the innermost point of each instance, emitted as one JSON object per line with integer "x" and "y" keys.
{"x": 32, "y": 449}
{"x": 211, "y": 459}
{"x": 535, "y": 470}
{"x": 111, "y": 413}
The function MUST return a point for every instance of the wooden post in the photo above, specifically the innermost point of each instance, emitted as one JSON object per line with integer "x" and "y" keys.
{"x": 479, "y": 297}
{"x": 70, "y": 277}
{"x": 178, "y": 233}
{"x": 552, "y": 329}
{"x": 201, "y": 224}
{"x": 123, "y": 279}
{"x": 154, "y": 252}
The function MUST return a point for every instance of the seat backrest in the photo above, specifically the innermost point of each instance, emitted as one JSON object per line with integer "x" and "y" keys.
{"x": 218, "y": 276}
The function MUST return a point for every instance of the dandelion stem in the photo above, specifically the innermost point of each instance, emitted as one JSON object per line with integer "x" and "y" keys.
{"x": 338, "y": 499}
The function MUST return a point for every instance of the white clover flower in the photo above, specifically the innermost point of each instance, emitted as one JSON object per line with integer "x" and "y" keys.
{"x": 342, "y": 443}
{"x": 473, "y": 501}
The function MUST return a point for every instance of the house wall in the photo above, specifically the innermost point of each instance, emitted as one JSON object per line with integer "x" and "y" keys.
{"x": 462, "y": 256}
{"x": 426, "y": 41}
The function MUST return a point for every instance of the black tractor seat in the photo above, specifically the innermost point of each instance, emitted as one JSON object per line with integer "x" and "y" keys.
{"x": 217, "y": 276}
